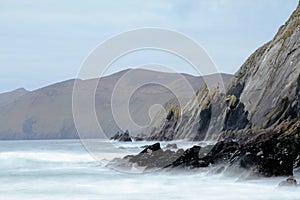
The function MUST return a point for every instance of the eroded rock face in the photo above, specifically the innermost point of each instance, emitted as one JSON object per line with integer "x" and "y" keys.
{"x": 267, "y": 83}
{"x": 263, "y": 94}
{"x": 192, "y": 122}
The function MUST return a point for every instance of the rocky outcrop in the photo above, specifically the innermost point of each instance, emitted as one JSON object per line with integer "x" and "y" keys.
{"x": 263, "y": 94}
{"x": 122, "y": 137}
{"x": 153, "y": 157}
{"x": 193, "y": 121}
{"x": 273, "y": 152}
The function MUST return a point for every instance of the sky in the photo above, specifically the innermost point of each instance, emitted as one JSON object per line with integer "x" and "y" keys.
{"x": 44, "y": 42}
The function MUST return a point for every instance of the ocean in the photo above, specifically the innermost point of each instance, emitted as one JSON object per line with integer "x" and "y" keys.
{"x": 65, "y": 169}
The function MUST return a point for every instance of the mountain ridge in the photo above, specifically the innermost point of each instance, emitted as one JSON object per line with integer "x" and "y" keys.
{"x": 46, "y": 113}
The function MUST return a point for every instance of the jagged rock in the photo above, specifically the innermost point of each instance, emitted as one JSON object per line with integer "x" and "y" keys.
{"x": 235, "y": 116}
{"x": 190, "y": 123}
{"x": 222, "y": 152}
{"x": 122, "y": 137}
{"x": 274, "y": 152}
{"x": 271, "y": 152}
{"x": 115, "y": 137}
{"x": 289, "y": 182}
{"x": 154, "y": 157}
{"x": 190, "y": 158}
{"x": 151, "y": 148}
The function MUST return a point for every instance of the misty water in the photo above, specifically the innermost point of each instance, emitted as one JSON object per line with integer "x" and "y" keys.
{"x": 65, "y": 170}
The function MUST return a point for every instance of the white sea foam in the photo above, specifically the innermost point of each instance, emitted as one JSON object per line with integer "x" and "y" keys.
{"x": 56, "y": 172}
{"x": 46, "y": 156}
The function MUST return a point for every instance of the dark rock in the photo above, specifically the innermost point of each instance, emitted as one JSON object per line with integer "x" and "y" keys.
{"x": 115, "y": 137}
{"x": 151, "y": 148}
{"x": 204, "y": 121}
{"x": 235, "y": 116}
{"x": 122, "y": 137}
{"x": 153, "y": 157}
{"x": 190, "y": 158}
{"x": 222, "y": 152}
{"x": 205, "y": 150}
{"x": 273, "y": 152}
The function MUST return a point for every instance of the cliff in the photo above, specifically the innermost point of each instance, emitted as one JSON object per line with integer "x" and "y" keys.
{"x": 263, "y": 94}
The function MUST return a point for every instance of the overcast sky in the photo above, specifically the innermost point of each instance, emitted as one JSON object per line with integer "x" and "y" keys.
{"x": 43, "y": 42}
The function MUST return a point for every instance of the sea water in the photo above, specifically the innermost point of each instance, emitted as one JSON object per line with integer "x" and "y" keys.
{"x": 65, "y": 169}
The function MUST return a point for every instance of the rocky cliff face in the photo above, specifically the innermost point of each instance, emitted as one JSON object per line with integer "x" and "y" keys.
{"x": 267, "y": 84}
{"x": 193, "y": 121}
{"x": 263, "y": 94}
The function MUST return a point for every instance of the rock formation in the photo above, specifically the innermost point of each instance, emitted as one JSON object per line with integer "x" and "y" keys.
{"x": 257, "y": 119}
{"x": 122, "y": 137}
{"x": 264, "y": 93}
